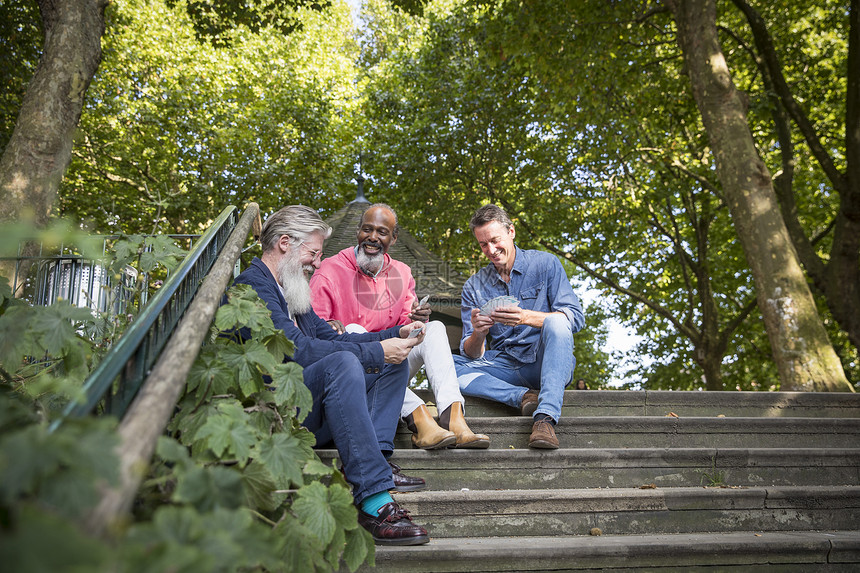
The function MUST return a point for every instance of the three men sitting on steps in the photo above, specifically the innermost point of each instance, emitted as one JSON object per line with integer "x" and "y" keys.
{"x": 364, "y": 288}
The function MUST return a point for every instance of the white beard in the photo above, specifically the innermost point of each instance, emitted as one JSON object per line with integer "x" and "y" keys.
{"x": 294, "y": 284}
{"x": 368, "y": 264}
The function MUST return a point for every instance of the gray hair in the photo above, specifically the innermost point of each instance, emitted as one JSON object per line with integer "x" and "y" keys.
{"x": 395, "y": 231}
{"x": 296, "y": 221}
{"x": 489, "y": 213}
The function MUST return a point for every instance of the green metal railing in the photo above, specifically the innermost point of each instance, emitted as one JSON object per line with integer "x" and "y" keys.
{"x": 119, "y": 376}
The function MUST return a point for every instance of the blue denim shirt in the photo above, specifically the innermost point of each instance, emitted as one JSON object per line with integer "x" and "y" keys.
{"x": 539, "y": 282}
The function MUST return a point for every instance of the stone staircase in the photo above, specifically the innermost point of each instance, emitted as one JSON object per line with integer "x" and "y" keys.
{"x": 668, "y": 481}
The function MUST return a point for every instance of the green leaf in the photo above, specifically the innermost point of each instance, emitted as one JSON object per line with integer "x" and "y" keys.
{"x": 40, "y": 541}
{"x": 5, "y": 290}
{"x": 322, "y": 510}
{"x": 170, "y": 450}
{"x": 301, "y": 548}
{"x": 290, "y": 389}
{"x": 335, "y": 548}
{"x": 210, "y": 487}
{"x": 224, "y": 433}
{"x": 235, "y": 314}
{"x": 244, "y": 309}
{"x": 264, "y": 421}
{"x": 342, "y": 506}
{"x": 316, "y": 469}
{"x": 72, "y": 491}
{"x": 190, "y": 420}
{"x": 181, "y": 524}
{"x": 283, "y": 456}
{"x": 259, "y": 485}
{"x": 53, "y": 326}
{"x": 125, "y": 250}
{"x": 13, "y": 345}
{"x": 164, "y": 251}
{"x": 359, "y": 546}
{"x": 210, "y": 375}
{"x": 248, "y": 361}
{"x": 279, "y": 345}
{"x": 61, "y": 469}
{"x": 307, "y": 439}
{"x": 26, "y": 458}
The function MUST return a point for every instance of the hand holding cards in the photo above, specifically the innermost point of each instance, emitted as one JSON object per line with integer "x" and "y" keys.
{"x": 499, "y": 301}
{"x": 420, "y": 309}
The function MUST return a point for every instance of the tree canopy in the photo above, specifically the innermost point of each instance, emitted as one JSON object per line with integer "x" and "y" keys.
{"x": 577, "y": 117}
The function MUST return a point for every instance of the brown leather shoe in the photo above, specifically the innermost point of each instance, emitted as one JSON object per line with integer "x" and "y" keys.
{"x": 543, "y": 436}
{"x": 393, "y": 526}
{"x": 403, "y": 482}
{"x": 529, "y": 403}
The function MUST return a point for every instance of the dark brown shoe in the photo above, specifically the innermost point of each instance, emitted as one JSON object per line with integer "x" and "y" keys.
{"x": 529, "y": 403}
{"x": 543, "y": 436}
{"x": 403, "y": 482}
{"x": 393, "y": 526}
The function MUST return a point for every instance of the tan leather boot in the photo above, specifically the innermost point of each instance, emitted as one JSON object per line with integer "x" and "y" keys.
{"x": 452, "y": 419}
{"x": 426, "y": 433}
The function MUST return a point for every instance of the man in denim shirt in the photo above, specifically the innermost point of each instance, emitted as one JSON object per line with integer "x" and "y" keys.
{"x": 530, "y": 356}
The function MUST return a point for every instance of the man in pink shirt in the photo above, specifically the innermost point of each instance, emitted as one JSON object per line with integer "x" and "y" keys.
{"x": 364, "y": 286}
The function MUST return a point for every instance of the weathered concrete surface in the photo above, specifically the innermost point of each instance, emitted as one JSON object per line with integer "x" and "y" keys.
{"x": 619, "y": 467}
{"x": 620, "y": 511}
{"x": 708, "y": 404}
{"x": 737, "y": 551}
{"x": 797, "y": 456}
{"x": 670, "y": 432}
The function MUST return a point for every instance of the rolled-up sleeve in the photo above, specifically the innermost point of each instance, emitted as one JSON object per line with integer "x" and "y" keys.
{"x": 562, "y": 298}
{"x": 468, "y": 301}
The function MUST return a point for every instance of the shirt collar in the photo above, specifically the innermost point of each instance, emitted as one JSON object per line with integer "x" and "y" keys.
{"x": 519, "y": 267}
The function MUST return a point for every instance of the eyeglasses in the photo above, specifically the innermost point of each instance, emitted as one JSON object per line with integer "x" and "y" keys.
{"x": 314, "y": 254}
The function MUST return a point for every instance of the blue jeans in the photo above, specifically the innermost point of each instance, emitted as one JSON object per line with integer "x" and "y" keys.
{"x": 497, "y": 376}
{"x": 361, "y": 418}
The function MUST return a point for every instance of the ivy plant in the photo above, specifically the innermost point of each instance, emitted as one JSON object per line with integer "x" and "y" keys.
{"x": 235, "y": 483}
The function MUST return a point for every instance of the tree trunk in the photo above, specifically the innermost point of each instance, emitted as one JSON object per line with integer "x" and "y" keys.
{"x": 804, "y": 356}
{"x": 40, "y": 148}
{"x": 844, "y": 266}
{"x": 712, "y": 366}
{"x": 837, "y": 277}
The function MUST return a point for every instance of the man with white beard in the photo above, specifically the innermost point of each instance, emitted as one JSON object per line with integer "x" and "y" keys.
{"x": 357, "y": 380}
{"x": 366, "y": 289}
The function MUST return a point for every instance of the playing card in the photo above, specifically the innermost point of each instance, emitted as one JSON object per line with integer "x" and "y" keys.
{"x": 494, "y": 303}
{"x": 415, "y": 332}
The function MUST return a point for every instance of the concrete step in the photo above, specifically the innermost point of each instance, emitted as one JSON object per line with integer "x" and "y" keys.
{"x": 664, "y": 467}
{"x": 704, "y": 404}
{"x": 632, "y": 511}
{"x": 738, "y": 551}
{"x": 669, "y": 432}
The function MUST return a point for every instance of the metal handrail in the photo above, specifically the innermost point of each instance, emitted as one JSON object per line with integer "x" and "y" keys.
{"x": 133, "y": 356}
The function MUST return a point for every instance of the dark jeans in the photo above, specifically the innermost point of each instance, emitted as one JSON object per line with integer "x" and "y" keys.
{"x": 359, "y": 413}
